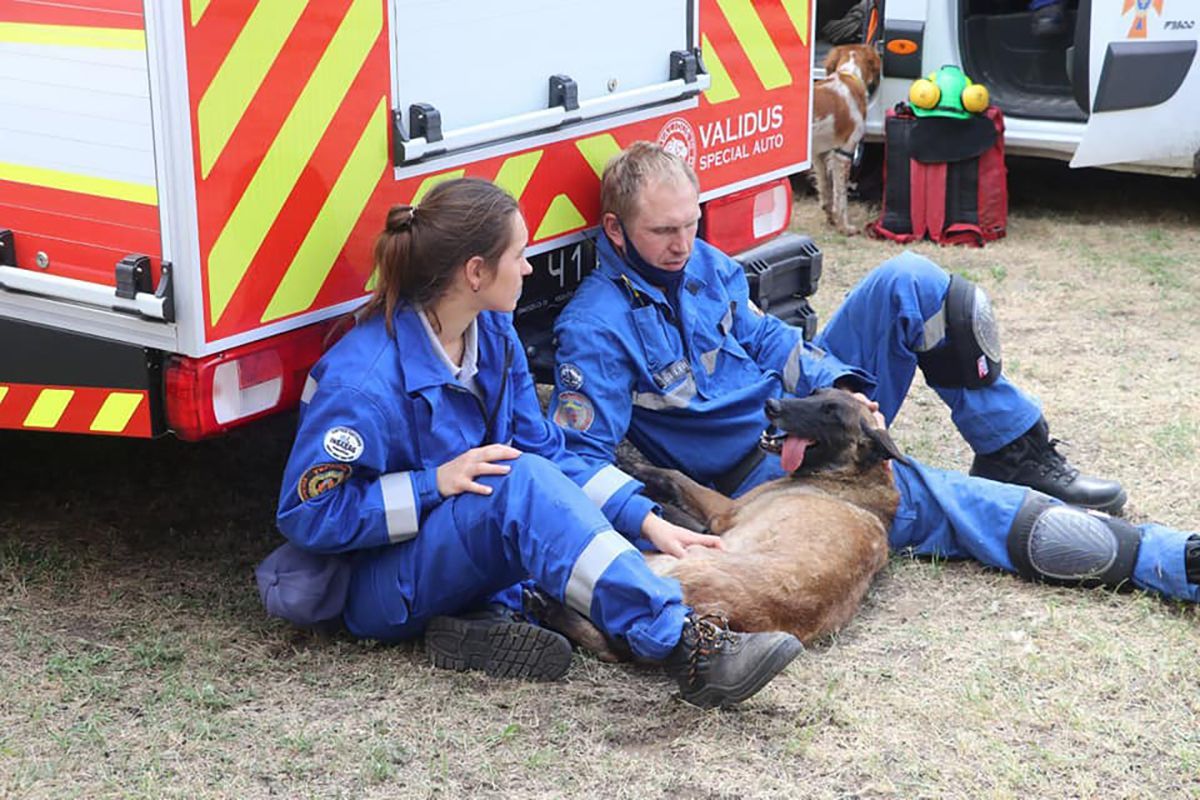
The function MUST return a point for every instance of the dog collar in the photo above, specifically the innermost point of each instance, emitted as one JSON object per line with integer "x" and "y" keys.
{"x": 861, "y": 82}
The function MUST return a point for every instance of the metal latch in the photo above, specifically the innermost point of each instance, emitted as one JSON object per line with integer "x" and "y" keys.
{"x": 8, "y": 251}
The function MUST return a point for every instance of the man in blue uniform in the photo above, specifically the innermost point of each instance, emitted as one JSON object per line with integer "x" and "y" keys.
{"x": 662, "y": 344}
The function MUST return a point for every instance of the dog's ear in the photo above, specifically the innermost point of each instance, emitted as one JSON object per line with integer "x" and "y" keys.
{"x": 833, "y": 59}
{"x": 884, "y": 447}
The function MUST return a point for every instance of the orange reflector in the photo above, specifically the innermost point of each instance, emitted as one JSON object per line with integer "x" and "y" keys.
{"x": 902, "y": 47}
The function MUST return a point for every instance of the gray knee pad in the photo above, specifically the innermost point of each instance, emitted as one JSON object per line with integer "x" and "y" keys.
{"x": 969, "y": 356}
{"x": 1065, "y": 545}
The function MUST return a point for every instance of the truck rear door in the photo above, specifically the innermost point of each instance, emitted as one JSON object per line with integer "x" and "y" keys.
{"x": 1134, "y": 68}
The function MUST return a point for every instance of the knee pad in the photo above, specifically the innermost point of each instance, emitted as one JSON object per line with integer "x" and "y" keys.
{"x": 1069, "y": 546}
{"x": 969, "y": 356}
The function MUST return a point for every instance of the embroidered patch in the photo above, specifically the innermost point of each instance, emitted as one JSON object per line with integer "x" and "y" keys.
{"x": 343, "y": 443}
{"x": 321, "y": 478}
{"x": 671, "y": 374}
{"x": 575, "y": 411}
{"x": 570, "y": 377}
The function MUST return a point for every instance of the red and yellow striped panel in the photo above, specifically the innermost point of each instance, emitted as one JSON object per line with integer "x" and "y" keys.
{"x": 291, "y": 123}
{"x": 85, "y": 223}
{"x": 75, "y": 409}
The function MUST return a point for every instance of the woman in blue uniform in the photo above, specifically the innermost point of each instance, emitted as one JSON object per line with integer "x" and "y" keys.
{"x": 422, "y": 453}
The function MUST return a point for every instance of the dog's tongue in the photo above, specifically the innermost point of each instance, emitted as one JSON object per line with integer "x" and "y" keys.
{"x": 793, "y": 453}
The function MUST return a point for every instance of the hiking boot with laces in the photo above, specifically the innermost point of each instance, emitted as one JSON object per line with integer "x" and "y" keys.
{"x": 1033, "y": 460}
{"x": 497, "y": 641}
{"x": 716, "y": 667}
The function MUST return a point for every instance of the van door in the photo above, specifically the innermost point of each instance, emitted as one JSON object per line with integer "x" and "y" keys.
{"x": 1135, "y": 69}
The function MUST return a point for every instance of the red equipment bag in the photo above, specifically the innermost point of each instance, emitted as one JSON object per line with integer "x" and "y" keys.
{"x": 943, "y": 178}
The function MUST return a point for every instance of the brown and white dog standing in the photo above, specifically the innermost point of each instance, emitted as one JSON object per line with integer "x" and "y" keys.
{"x": 839, "y": 122}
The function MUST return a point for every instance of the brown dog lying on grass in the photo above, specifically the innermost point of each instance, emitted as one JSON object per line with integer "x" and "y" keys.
{"x": 799, "y": 552}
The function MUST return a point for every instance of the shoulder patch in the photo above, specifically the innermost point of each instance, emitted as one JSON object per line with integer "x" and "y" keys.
{"x": 320, "y": 479}
{"x": 570, "y": 377}
{"x": 574, "y": 411}
{"x": 343, "y": 443}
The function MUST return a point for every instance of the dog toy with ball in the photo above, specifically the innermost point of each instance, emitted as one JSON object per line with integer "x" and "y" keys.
{"x": 947, "y": 93}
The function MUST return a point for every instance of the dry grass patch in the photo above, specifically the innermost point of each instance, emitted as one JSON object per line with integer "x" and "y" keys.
{"x": 135, "y": 660}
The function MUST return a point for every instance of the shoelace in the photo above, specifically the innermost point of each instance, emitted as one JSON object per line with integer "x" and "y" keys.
{"x": 711, "y": 633}
{"x": 1055, "y": 464}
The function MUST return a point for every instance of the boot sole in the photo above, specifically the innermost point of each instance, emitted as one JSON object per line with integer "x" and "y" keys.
{"x": 773, "y": 663}
{"x": 499, "y": 648}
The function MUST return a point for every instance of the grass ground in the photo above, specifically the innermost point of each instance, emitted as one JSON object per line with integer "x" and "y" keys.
{"x": 135, "y": 660}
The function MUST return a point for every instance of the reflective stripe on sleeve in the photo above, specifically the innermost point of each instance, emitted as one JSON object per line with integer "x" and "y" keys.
{"x": 791, "y": 369}
{"x": 310, "y": 388}
{"x": 935, "y": 330}
{"x": 400, "y": 504}
{"x": 679, "y": 397}
{"x": 600, "y": 552}
{"x": 604, "y": 484}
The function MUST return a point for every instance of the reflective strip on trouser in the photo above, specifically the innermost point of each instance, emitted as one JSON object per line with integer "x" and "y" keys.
{"x": 952, "y": 515}
{"x": 536, "y": 524}
{"x": 882, "y": 324}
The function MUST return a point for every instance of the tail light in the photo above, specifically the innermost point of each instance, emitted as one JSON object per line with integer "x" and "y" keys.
{"x": 210, "y": 395}
{"x": 739, "y": 221}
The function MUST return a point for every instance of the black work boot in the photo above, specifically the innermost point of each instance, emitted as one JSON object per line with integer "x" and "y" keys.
{"x": 499, "y": 643}
{"x": 1191, "y": 559}
{"x": 717, "y": 667}
{"x": 1032, "y": 460}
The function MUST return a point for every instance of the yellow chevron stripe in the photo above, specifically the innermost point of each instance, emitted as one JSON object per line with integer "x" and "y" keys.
{"x": 515, "y": 173}
{"x": 755, "y": 40}
{"x": 598, "y": 150}
{"x": 116, "y": 412}
{"x": 797, "y": 11}
{"x": 241, "y": 73}
{"x": 48, "y": 408}
{"x": 84, "y": 184}
{"x": 418, "y": 196}
{"x": 434, "y": 180}
{"x": 198, "y": 9}
{"x": 561, "y": 216}
{"x": 341, "y": 211}
{"x": 3, "y": 391}
{"x": 259, "y": 205}
{"x": 722, "y": 88}
{"x": 72, "y": 36}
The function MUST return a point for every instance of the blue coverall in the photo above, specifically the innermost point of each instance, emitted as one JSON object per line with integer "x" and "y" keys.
{"x": 686, "y": 382}
{"x": 380, "y": 413}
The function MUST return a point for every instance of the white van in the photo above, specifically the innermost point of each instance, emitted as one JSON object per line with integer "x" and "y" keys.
{"x": 1119, "y": 89}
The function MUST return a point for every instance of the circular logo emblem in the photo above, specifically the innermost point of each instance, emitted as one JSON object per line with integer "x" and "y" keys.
{"x": 570, "y": 376}
{"x": 678, "y": 139}
{"x": 574, "y": 411}
{"x": 344, "y": 444}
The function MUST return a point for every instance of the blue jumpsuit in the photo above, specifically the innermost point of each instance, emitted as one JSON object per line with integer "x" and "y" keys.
{"x": 688, "y": 387}
{"x": 381, "y": 413}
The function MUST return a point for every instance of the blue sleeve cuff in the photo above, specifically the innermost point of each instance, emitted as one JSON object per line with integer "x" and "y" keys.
{"x": 628, "y": 520}
{"x": 428, "y": 496}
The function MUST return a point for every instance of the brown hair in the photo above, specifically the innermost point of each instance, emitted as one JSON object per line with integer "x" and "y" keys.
{"x": 629, "y": 172}
{"x": 421, "y": 246}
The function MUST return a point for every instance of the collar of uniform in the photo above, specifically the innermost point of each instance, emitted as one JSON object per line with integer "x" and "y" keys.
{"x": 422, "y": 366}
{"x": 465, "y": 371}
{"x": 612, "y": 265}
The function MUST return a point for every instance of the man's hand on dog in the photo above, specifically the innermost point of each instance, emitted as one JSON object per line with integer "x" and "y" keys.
{"x": 871, "y": 405}
{"x": 673, "y": 540}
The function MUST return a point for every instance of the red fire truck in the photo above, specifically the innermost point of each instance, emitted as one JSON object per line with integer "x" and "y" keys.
{"x": 189, "y": 189}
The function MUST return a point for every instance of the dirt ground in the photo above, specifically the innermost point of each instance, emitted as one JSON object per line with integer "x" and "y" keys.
{"x": 135, "y": 660}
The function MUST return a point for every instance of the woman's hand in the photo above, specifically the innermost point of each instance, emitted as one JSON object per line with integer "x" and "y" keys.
{"x": 673, "y": 540}
{"x": 458, "y": 475}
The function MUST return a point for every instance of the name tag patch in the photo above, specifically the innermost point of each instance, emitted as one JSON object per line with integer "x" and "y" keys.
{"x": 666, "y": 377}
